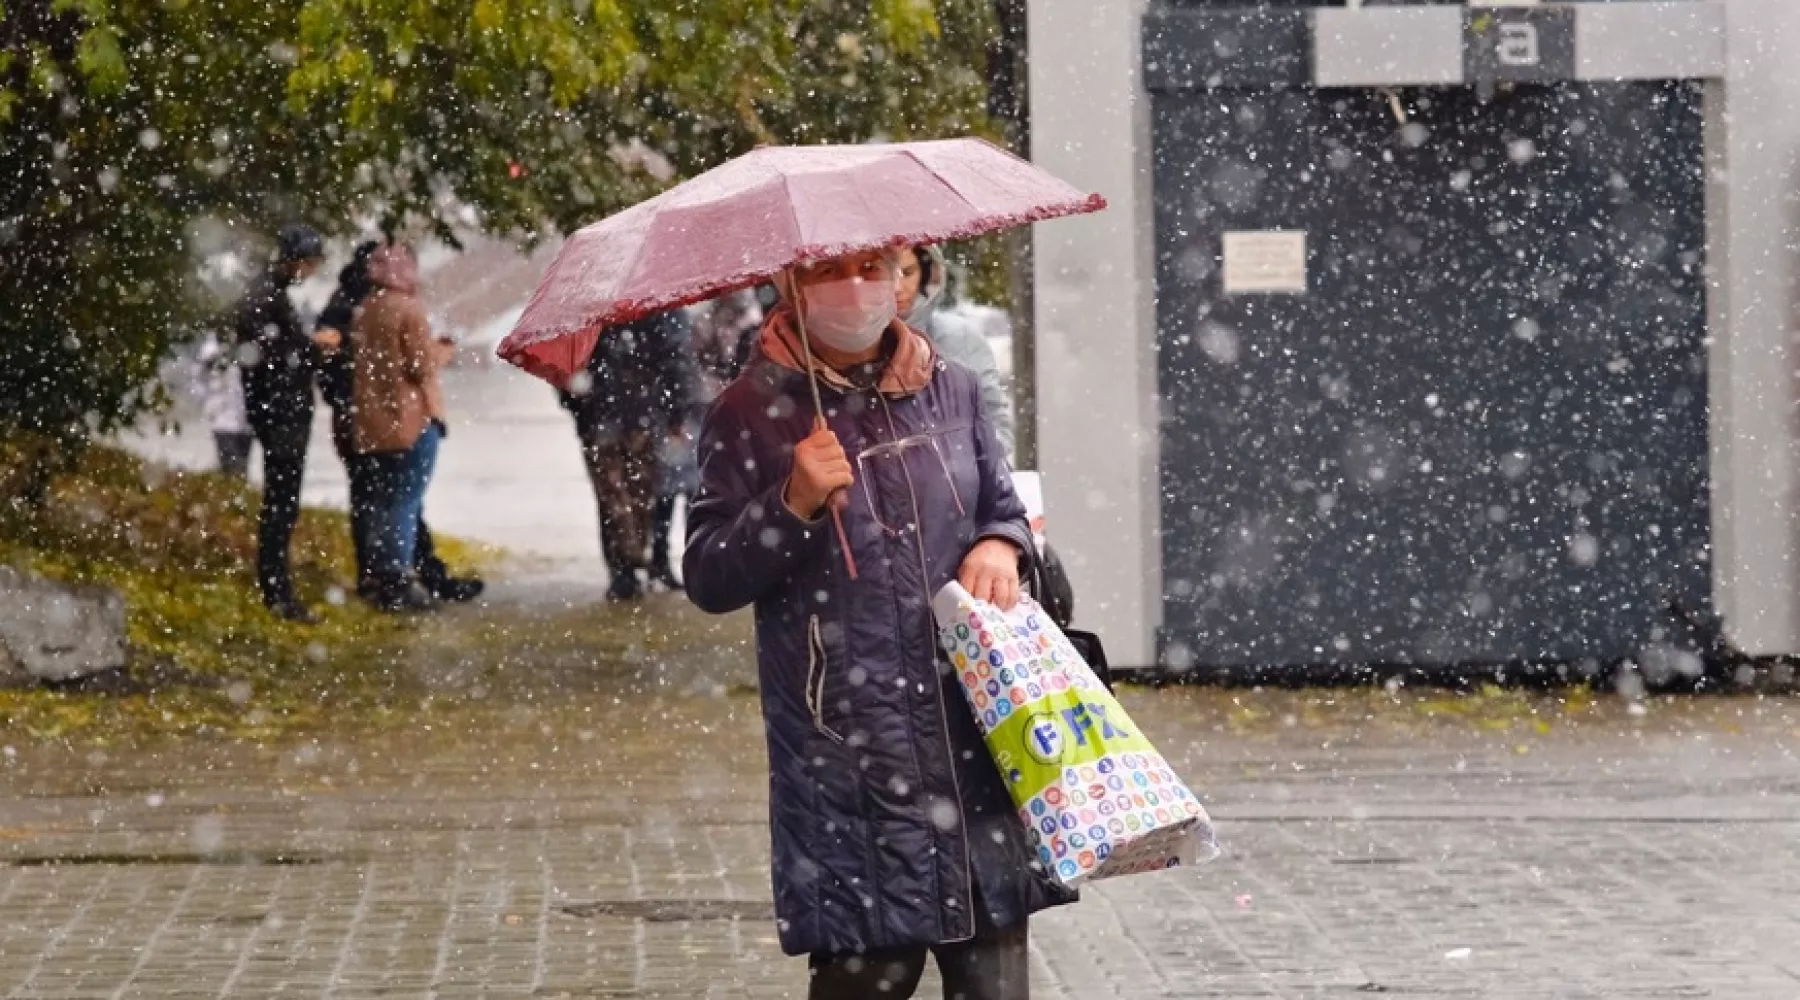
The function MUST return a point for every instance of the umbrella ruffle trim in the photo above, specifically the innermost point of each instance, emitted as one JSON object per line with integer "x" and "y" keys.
{"x": 517, "y": 346}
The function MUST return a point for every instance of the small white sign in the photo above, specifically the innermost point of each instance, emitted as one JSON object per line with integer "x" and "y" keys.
{"x": 1030, "y": 489}
{"x": 1266, "y": 261}
{"x": 1518, "y": 45}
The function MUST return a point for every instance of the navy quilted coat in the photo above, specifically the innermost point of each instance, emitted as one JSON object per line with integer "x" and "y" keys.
{"x": 888, "y": 818}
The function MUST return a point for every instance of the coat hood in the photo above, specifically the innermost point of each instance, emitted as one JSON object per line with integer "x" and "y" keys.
{"x": 353, "y": 279}
{"x": 931, "y": 287}
{"x": 395, "y": 269}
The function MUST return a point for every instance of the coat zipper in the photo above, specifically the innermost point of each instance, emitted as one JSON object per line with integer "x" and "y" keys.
{"x": 818, "y": 665}
{"x": 962, "y": 821}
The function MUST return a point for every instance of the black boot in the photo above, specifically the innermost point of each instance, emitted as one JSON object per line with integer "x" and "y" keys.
{"x": 460, "y": 589}
{"x": 625, "y": 587}
{"x": 292, "y": 610}
{"x": 405, "y": 596}
{"x": 436, "y": 577}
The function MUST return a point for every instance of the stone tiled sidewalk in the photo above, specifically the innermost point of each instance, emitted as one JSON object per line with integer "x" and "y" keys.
{"x": 618, "y": 850}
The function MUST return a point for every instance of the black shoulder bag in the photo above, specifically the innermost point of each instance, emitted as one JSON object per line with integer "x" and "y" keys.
{"x": 1050, "y": 587}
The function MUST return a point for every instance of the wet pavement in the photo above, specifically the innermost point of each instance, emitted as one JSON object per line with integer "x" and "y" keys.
{"x": 611, "y": 842}
{"x": 582, "y": 814}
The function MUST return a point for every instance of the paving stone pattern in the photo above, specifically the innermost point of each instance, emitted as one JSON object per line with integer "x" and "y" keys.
{"x": 527, "y": 855}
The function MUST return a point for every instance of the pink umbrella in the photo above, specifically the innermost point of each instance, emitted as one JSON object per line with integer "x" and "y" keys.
{"x": 763, "y": 212}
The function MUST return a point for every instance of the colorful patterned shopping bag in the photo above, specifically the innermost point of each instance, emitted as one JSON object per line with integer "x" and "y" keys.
{"x": 1097, "y": 797}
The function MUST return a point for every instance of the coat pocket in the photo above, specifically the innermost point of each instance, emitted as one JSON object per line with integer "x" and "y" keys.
{"x": 818, "y": 667}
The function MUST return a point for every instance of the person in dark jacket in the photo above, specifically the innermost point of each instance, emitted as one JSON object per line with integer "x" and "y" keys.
{"x": 640, "y": 386}
{"x": 337, "y": 381}
{"x": 278, "y": 360}
{"x": 893, "y": 833}
{"x": 766, "y": 300}
{"x": 717, "y": 330}
{"x": 337, "y": 377}
{"x": 721, "y": 326}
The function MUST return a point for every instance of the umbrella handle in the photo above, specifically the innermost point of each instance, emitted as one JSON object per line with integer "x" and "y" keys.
{"x": 837, "y": 518}
{"x": 839, "y": 500}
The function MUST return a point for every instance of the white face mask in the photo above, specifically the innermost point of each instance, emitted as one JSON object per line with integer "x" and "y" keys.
{"x": 848, "y": 315}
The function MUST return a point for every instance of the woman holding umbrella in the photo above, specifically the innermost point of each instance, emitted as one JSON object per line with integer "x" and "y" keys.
{"x": 894, "y": 835}
{"x": 846, "y": 476}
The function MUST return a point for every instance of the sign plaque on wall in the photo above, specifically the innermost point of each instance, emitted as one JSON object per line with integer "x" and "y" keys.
{"x": 1266, "y": 261}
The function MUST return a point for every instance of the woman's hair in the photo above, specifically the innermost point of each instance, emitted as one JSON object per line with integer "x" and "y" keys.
{"x": 927, "y": 264}
{"x": 353, "y": 281}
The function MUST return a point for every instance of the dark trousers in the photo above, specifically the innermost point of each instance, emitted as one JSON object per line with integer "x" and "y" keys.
{"x": 234, "y": 452}
{"x": 622, "y": 467}
{"x": 994, "y": 965}
{"x": 659, "y": 547}
{"x": 396, "y": 507}
{"x": 284, "y": 444}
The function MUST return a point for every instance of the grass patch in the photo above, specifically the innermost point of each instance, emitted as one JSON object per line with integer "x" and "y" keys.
{"x": 181, "y": 548}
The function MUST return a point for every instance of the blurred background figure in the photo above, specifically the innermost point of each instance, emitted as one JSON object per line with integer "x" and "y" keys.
{"x": 397, "y": 422}
{"x": 279, "y": 361}
{"x": 677, "y": 479}
{"x": 919, "y": 293}
{"x": 640, "y": 388}
{"x": 721, "y": 327}
{"x": 337, "y": 380}
{"x": 766, "y": 299}
{"x": 220, "y": 390}
{"x": 337, "y": 383}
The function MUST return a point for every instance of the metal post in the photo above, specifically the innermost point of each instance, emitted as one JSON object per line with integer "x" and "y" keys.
{"x": 1007, "y": 106}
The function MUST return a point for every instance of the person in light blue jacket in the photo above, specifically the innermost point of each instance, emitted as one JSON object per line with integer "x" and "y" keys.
{"x": 918, "y": 292}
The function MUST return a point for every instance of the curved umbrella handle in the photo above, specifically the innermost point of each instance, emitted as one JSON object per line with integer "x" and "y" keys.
{"x": 840, "y": 499}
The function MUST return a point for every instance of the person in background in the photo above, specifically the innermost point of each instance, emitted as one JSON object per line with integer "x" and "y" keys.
{"x": 677, "y": 477}
{"x": 640, "y": 386}
{"x": 918, "y": 293}
{"x": 337, "y": 377}
{"x": 278, "y": 360}
{"x": 221, "y": 393}
{"x": 722, "y": 328}
{"x": 337, "y": 380}
{"x": 766, "y": 300}
{"x": 397, "y": 422}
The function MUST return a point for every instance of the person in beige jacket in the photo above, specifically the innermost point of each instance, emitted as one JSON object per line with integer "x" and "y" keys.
{"x": 397, "y": 420}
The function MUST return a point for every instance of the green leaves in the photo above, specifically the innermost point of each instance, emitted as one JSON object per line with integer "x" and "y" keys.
{"x": 908, "y": 25}
{"x": 142, "y": 136}
{"x": 99, "y": 59}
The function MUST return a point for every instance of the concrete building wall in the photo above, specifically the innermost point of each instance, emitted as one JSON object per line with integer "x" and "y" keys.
{"x": 1755, "y": 254}
{"x": 1096, "y": 354}
{"x": 1096, "y": 318}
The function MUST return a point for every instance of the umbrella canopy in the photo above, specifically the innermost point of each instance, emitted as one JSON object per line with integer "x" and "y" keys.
{"x": 768, "y": 210}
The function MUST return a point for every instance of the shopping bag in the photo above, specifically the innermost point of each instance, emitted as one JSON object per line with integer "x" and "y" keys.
{"x": 1097, "y": 797}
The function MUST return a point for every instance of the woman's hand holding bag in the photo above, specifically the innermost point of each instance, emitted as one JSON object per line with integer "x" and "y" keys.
{"x": 990, "y": 572}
